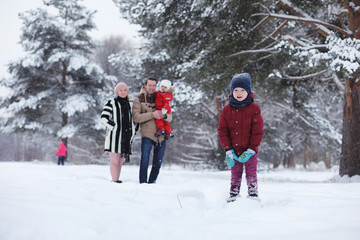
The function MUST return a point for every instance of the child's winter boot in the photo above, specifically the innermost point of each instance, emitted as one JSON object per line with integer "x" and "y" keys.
{"x": 159, "y": 133}
{"x": 234, "y": 193}
{"x": 171, "y": 135}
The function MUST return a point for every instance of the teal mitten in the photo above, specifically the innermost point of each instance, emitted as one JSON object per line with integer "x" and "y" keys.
{"x": 245, "y": 156}
{"x": 229, "y": 159}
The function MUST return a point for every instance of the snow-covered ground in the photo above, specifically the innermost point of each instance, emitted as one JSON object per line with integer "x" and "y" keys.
{"x": 46, "y": 201}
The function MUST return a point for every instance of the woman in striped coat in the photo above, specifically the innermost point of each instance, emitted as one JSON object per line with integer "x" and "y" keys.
{"x": 117, "y": 118}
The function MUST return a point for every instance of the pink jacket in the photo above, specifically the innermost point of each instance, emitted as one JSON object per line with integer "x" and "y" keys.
{"x": 61, "y": 150}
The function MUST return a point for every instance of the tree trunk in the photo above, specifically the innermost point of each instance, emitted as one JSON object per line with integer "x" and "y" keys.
{"x": 64, "y": 115}
{"x": 327, "y": 159}
{"x": 350, "y": 150}
{"x": 64, "y": 123}
{"x": 289, "y": 160}
{"x": 306, "y": 155}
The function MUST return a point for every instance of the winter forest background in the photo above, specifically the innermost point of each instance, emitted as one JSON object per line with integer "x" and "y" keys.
{"x": 303, "y": 57}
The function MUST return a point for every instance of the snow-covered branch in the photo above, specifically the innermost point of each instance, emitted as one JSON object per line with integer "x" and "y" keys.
{"x": 337, "y": 82}
{"x": 347, "y": 33}
{"x": 212, "y": 114}
{"x": 265, "y": 50}
{"x": 292, "y": 111}
{"x": 298, "y": 12}
{"x": 341, "y": 18}
{"x": 262, "y": 22}
{"x": 305, "y": 76}
{"x": 273, "y": 34}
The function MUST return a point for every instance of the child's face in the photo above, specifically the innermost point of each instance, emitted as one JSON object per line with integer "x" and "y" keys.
{"x": 240, "y": 94}
{"x": 163, "y": 89}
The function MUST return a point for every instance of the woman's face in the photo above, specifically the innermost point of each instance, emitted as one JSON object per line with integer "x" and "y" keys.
{"x": 240, "y": 94}
{"x": 123, "y": 91}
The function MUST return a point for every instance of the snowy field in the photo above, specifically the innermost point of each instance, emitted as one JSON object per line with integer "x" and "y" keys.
{"x": 41, "y": 201}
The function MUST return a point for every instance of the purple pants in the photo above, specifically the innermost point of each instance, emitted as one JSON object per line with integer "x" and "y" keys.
{"x": 251, "y": 177}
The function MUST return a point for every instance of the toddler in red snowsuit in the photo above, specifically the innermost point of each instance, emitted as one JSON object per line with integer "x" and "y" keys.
{"x": 163, "y": 98}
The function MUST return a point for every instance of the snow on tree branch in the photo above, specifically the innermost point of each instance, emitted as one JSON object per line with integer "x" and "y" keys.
{"x": 305, "y": 76}
{"x": 346, "y": 53}
{"x": 298, "y": 12}
{"x": 77, "y": 103}
{"x": 337, "y": 82}
{"x": 347, "y": 33}
{"x": 341, "y": 54}
{"x": 67, "y": 131}
{"x": 31, "y": 102}
{"x": 265, "y": 50}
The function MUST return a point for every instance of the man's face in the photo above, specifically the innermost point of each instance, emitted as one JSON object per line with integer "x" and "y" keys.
{"x": 150, "y": 86}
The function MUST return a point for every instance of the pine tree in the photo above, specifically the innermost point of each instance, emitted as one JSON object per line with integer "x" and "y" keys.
{"x": 194, "y": 42}
{"x": 326, "y": 45}
{"x": 108, "y": 46}
{"x": 187, "y": 42}
{"x": 56, "y": 89}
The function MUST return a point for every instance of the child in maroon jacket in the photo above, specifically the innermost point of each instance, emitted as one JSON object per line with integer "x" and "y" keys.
{"x": 240, "y": 132}
{"x": 162, "y": 102}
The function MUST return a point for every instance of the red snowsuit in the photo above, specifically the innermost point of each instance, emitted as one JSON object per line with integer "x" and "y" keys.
{"x": 162, "y": 101}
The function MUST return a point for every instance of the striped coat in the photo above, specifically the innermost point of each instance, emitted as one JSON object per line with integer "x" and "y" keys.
{"x": 111, "y": 118}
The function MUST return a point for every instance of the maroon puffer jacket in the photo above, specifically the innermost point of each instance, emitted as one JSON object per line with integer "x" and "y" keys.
{"x": 241, "y": 128}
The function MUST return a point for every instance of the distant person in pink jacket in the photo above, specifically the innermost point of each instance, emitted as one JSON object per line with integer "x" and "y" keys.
{"x": 61, "y": 152}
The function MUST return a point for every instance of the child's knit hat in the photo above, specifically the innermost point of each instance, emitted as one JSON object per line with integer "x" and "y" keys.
{"x": 165, "y": 83}
{"x": 241, "y": 80}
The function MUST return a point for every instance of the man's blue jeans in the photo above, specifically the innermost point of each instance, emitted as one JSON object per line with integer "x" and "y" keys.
{"x": 159, "y": 151}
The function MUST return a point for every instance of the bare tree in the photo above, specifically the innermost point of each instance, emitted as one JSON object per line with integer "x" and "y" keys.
{"x": 107, "y": 47}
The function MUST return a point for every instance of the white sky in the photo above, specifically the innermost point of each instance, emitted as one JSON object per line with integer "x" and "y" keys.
{"x": 107, "y": 19}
